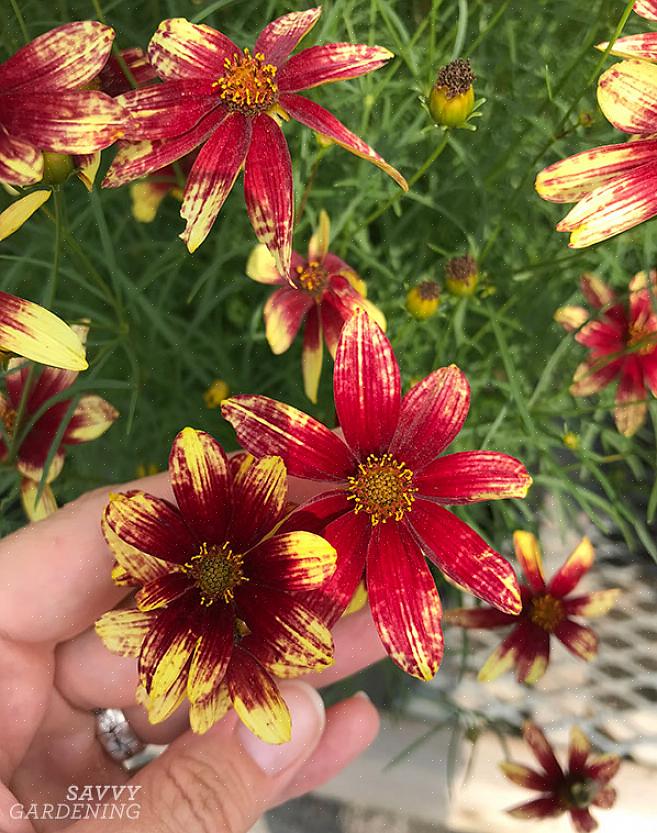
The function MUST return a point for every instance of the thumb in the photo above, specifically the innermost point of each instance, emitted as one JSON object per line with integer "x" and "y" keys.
{"x": 223, "y": 781}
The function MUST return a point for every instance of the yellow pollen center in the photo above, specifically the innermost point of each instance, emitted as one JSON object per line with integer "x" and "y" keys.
{"x": 217, "y": 571}
{"x": 546, "y": 611}
{"x": 312, "y": 277}
{"x": 247, "y": 84}
{"x": 383, "y": 488}
{"x": 642, "y": 339}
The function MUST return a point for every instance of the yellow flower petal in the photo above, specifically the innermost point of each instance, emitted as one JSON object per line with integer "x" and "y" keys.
{"x": 627, "y": 93}
{"x": 123, "y": 631}
{"x": 20, "y": 211}
{"x": 146, "y": 199}
{"x": 319, "y": 242}
{"x": 46, "y": 505}
{"x": 261, "y": 266}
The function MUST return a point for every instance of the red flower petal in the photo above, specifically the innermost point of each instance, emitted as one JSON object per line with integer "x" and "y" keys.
{"x": 505, "y": 656}
{"x": 284, "y": 313}
{"x": 646, "y": 8}
{"x": 198, "y": 470}
{"x": 308, "y": 448}
{"x": 528, "y": 553}
{"x": 603, "y": 767}
{"x": 281, "y": 36}
{"x": 315, "y": 514}
{"x": 366, "y": 386}
{"x": 213, "y": 652}
{"x": 257, "y": 700}
{"x": 606, "y": 798}
{"x": 291, "y": 561}
{"x": 259, "y": 500}
{"x": 333, "y": 322}
{"x": 526, "y": 777}
{"x": 593, "y": 375}
{"x": 331, "y": 62}
{"x": 321, "y": 121}
{"x": 543, "y": 751}
{"x": 534, "y": 655}
{"x": 578, "y": 563}
{"x": 473, "y": 476}
{"x": 592, "y": 604}
{"x": 91, "y": 418}
{"x": 539, "y": 808}
{"x": 465, "y": 557}
{"x": 579, "y": 750}
{"x": 478, "y": 617}
{"x": 631, "y": 398}
{"x": 161, "y": 111}
{"x": 404, "y": 601}
{"x": 583, "y": 821}
{"x": 162, "y": 591}
{"x": 579, "y": 639}
{"x": 167, "y": 648}
{"x": 212, "y": 177}
{"x": 432, "y": 414}
{"x": 21, "y": 163}
{"x": 268, "y": 190}
{"x": 312, "y": 353}
{"x": 180, "y": 49}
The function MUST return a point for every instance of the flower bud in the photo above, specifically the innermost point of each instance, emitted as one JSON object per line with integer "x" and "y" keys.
{"x": 571, "y": 440}
{"x": 423, "y": 300}
{"x": 461, "y": 276}
{"x": 452, "y": 99}
{"x": 57, "y": 167}
{"x": 216, "y": 393}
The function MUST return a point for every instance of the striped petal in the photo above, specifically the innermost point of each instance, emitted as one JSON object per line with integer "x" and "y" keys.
{"x": 542, "y": 750}
{"x": 133, "y": 566}
{"x": 204, "y": 713}
{"x": 212, "y": 177}
{"x": 523, "y": 776}
{"x": 199, "y": 474}
{"x": 329, "y": 63}
{"x": 162, "y": 111}
{"x": 167, "y": 649}
{"x": 161, "y": 707}
{"x": 478, "y": 617}
{"x": 579, "y": 750}
{"x": 432, "y": 414}
{"x": 592, "y": 604}
{"x": 465, "y": 557}
{"x": 12, "y": 218}
{"x": 268, "y": 190}
{"x": 113, "y": 79}
{"x": 504, "y": 657}
{"x": 282, "y": 36}
{"x": 162, "y": 591}
{"x": 65, "y": 58}
{"x": 569, "y": 574}
{"x": 308, "y": 448}
{"x": 21, "y": 163}
{"x": 257, "y": 700}
{"x": 37, "y": 506}
{"x": 627, "y": 92}
{"x": 404, "y": 601}
{"x": 321, "y": 121}
{"x": 312, "y": 353}
{"x": 642, "y": 46}
{"x": 292, "y": 561}
{"x": 91, "y": 418}
{"x": 539, "y": 808}
{"x": 212, "y": 653}
{"x": 534, "y": 655}
{"x": 579, "y": 639}
{"x": 366, "y": 386}
{"x": 151, "y": 525}
{"x": 592, "y": 375}
{"x": 180, "y": 49}
{"x": 631, "y": 399}
{"x": 646, "y": 8}
{"x": 261, "y": 266}
{"x": 259, "y": 501}
{"x": 35, "y": 333}
{"x": 284, "y": 313}
{"x": 528, "y": 553}
{"x": 473, "y": 476}
{"x": 124, "y": 631}
{"x": 576, "y": 177}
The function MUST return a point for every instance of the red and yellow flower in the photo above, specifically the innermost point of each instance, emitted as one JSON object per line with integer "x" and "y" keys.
{"x": 583, "y": 784}
{"x": 547, "y": 610}
{"x": 622, "y": 343}
{"x": 218, "y": 613}
{"x": 231, "y": 101}
{"x": 614, "y": 186}
{"x": 384, "y": 510}
{"x": 320, "y": 291}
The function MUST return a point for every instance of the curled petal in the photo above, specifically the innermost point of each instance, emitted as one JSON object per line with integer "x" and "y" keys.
{"x": 478, "y": 617}
{"x": 542, "y": 750}
{"x": 124, "y": 631}
{"x": 292, "y": 561}
{"x": 592, "y": 604}
{"x": 626, "y": 95}
{"x": 284, "y": 313}
{"x": 282, "y": 36}
{"x": 569, "y": 574}
{"x": 21, "y": 163}
{"x": 91, "y": 418}
{"x": 259, "y": 501}
{"x": 329, "y": 63}
{"x": 528, "y": 553}
{"x": 579, "y": 639}
{"x": 525, "y": 777}
{"x": 20, "y": 211}
{"x": 318, "y": 245}
{"x": 312, "y": 353}
{"x": 473, "y": 476}
{"x": 596, "y": 291}
{"x": 257, "y": 700}
{"x": 180, "y": 49}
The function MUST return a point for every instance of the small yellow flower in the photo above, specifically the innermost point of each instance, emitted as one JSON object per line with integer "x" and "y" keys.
{"x": 216, "y": 393}
{"x": 452, "y": 99}
{"x": 461, "y": 276}
{"x": 423, "y": 300}
{"x": 571, "y": 440}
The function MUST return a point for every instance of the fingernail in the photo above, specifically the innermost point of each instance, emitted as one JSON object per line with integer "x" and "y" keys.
{"x": 308, "y": 721}
{"x": 363, "y": 695}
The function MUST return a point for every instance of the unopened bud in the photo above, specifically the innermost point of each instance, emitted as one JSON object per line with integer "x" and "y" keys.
{"x": 461, "y": 276}
{"x": 57, "y": 167}
{"x": 423, "y": 300}
{"x": 452, "y": 99}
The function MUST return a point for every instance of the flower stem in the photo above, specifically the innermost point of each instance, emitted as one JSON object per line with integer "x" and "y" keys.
{"x": 20, "y": 19}
{"x": 310, "y": 181}
{"x": 51, "y": 289}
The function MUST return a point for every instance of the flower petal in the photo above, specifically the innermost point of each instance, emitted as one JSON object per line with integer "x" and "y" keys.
{"x": 163, "y": 111}
{"x": 473, "y": 476}
{"x": 592, "y": 375}
{"x": 366, "y": 386}
{"x": 539, "y": 808}
{"x": 525, "y": 777}
{"x": 534, "y": 655}
{"x": 626, "y": 95}
{"x": 579, "y": 639}
{"x": 646, "y": 8}
{"x": 596, "y": 291}
{"x": 114, "y": 81}
{"x": 578, "y": 563}
{"x": 312, "y": 353}
{"x": 150, "y": 524}
{"x": 504, "y": 657}
{"x": 167, "y": 649}
{"x": 603, "y": 767}
{"x": 631, "y": 398}
{"x": 261, "y": 266}
{"x": 91, "y": 418}
{"x": 21, "y": 163}
{"x": 321, "y": 121}
{"x": 478, "y": 617}
{"x": 308, "y": 448}
{"x": 161, "y": 707}
{"x": 19, "y": 211}
{"x": 542, "y": 750}
{"x": 606, "y": 798}
{"x": 199, "y": 474}
{"x": 212, "y": 653}
{"x": 65, "y": 58}
{"x": 180, "y": 49}
{"x": 571, "y": 318}
{"x": 642, "y": 46}
{"x": 465, "y": 557}
{"x": 133, "y": 565}
{"x": 592, "y": 604}
{"x": 268, "y": 190}
{"x": 583, "y": 821}
{"x": 162, "y": 591}
{"x": 318, "y": 245}
{"x": 259, "y": 500}
{"x": 257, "y": 700}
{"x": 204, "y": 713}
{"x": 281, "y": 36}
{"x": 528, "y": 553}
{"x": 404, "y": 601}
{"x": 292, "y": 561}
{"x": 432, "y": 414}
{"x": 124, "y": 631}
{"x": 579, "y": 749}
{"x": 329, "y": 63}
{"x": 212, "y": 177}
{"x": 574, "y": 178}
{"x": 284, "y": 313}
{"x": 47, "y": 503}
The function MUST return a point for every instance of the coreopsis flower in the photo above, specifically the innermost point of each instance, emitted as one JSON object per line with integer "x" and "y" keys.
{"x": 461, "y": 276}
{"x": 320, "y": 292}
{"x": 33, "y": 332}
{"x": 622, "y": 343}
{"x": 583, "y": 784}
{"x": 218, "y": 612}
{"x": 231, "y": 101}
{"x": 43, "y": 106}
{"x": 451, "y": 100}
{"x": 547, "y": 611}
{"x": 423, "y": 300}
{"x": 614, "y": 186}
{"x": 384, "y": 510}
{"x": 30, "y": 437}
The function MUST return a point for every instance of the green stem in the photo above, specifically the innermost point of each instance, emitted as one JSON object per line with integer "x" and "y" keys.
{"x": 310, "y": 181}
{"x": 20, "y": 19}
{"x": 51, "y": 289}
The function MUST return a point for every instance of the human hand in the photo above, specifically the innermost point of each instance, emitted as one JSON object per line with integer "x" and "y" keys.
{"x": 54, "y": 583}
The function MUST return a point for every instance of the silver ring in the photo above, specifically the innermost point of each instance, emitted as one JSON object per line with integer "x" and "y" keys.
{"x": 117, "y": 737}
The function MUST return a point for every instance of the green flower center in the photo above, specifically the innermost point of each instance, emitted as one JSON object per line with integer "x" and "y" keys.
{"x": 383, "y": 488}
{"x": 216, "y": 571}
{"x": 580, "y": 794}
{"x": 546, "y": 611}
{"x": 248, "y": 84}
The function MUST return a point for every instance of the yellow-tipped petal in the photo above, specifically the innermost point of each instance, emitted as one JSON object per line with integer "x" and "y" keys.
{"x": 46, "y": 505}
{"x": 146, "y": 200}
{"x": 20, "y": 211}
{"x": 626, "y": 95}
{"x": 319, "y": 242}
{"x": 261, "y": 266}
{"x": 123, "y": 631}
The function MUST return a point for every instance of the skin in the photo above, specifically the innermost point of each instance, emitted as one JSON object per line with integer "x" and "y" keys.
{"x": 54, "y": 583}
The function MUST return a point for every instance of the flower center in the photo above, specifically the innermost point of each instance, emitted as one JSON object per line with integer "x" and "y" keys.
{"x": 546, "y": 611}
{"x": 428, "y": 290}
{"x": 312, "y": 277}
{"x": 456, "y": 78}
{"x": 580, "y": 794}
{"x": 383, "y": 488}
{"x": 217, "y": 571}
{"x": 247, "y": 84}
{"x": 642, "y": 339}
